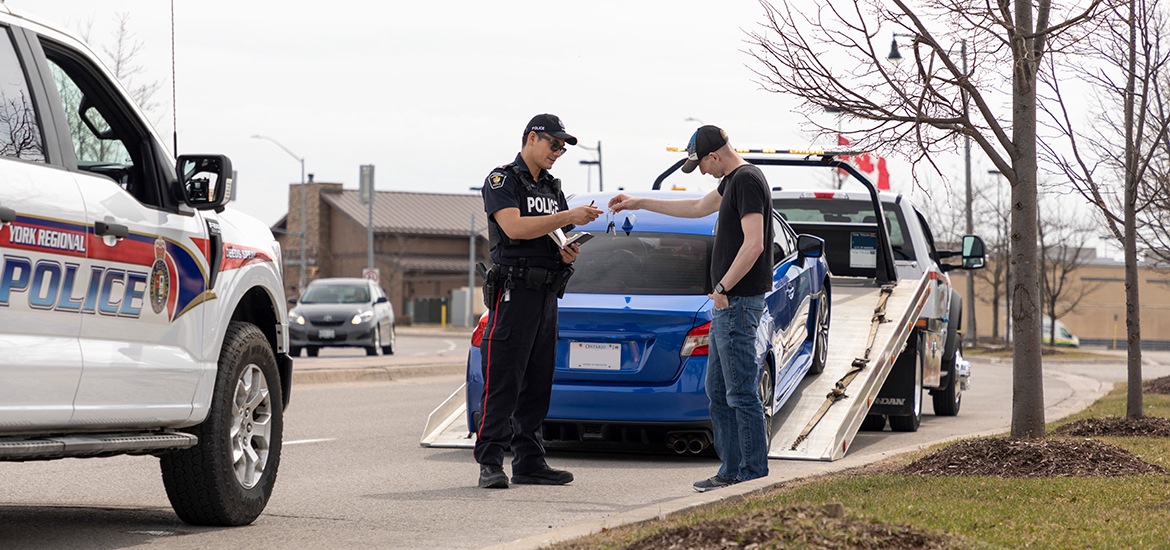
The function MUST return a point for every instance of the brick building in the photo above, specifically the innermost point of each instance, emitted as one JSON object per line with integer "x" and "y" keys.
{"x": 421, "y": 243}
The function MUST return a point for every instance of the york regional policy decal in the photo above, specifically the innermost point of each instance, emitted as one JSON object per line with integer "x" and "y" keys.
{"x": 160, "y": 277}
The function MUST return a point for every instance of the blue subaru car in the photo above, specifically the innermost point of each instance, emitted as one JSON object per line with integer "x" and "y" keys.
{"x": 633, "y": 329}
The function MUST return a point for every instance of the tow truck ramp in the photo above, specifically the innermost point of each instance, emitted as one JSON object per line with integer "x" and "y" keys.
{"x": 862, "y": 319}
{"x": 447, "y": 425}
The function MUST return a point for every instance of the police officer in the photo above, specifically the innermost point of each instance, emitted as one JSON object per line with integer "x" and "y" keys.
{"x": 524, "y": 203}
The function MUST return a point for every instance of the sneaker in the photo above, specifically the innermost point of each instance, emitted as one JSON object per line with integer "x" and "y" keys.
{"x": 492, "y": 476}
{"x": 714, "y": 482}
{"x": 543, "y": 476}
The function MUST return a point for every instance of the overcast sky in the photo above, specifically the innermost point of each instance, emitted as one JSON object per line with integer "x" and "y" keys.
{"x": 436, "y": 94}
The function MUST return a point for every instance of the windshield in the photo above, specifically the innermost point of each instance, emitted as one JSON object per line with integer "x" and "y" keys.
{"x": 643, "y": 263}
{"x": 803, "y": 211}
{"x": 336, "y": 294}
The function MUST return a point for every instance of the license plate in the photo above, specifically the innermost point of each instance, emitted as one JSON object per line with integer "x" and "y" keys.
{"x": 594, "y": 356}
{"x": 325, "y": 334}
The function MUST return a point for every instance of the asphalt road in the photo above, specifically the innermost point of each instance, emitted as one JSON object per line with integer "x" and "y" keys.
{"x": 353, "y": 475}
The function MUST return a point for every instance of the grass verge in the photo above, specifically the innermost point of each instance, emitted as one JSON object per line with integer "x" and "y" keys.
{"x": 974, "y": 512}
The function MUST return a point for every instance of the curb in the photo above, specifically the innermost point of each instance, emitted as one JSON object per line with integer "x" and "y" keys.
{"x": 374, "y": 374}
{"x": 756, "y": 487}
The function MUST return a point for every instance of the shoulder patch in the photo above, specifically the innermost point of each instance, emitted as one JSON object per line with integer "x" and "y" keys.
{"x": 496, "y": 179}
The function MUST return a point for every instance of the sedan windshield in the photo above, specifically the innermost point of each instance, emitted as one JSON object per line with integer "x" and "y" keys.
{"x": 643, "y": 263}
{"x": 336, "y": 294}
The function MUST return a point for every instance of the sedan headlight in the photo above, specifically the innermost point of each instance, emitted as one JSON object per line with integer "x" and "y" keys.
{"x": 363, "y": 317}
{"x": 296, "y": 318}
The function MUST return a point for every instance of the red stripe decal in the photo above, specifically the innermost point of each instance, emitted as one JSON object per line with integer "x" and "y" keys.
{"x": 488, "y": 370}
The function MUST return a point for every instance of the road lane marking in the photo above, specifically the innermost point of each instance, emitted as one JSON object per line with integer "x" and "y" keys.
{"x": 299, "y": 441}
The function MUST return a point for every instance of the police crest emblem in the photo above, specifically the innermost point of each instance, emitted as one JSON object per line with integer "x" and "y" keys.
{"x": 496, "y": 180}
{"x": 160, "y": 277}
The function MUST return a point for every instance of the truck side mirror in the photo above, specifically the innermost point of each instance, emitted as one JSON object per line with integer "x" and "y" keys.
{"x": 972, "y": 252}
{"x": 205, "y": 180}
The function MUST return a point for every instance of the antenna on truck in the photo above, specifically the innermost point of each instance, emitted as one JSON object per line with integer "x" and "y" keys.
{"x": 174, "y": 108}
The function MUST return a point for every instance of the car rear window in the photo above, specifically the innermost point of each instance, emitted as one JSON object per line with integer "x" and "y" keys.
{"x": 336, "y": 294}
{"x": 643, "y": 263}
{"x": 836, "y": 211}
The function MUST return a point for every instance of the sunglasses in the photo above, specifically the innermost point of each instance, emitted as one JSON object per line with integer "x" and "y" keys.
{"x": 556, "y": 147}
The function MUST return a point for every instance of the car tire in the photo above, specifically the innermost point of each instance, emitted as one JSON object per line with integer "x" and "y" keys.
{"x": 910, "y": 422}
{"x": 372, "y": 351}
{"x": 949, "y": 398}
{"x": 873, "y": 423}
{"x": 207, "y": 484}
{"x": 821, "y": 336}
{"x": 294, "y": 351}
{"x": 389, "y": 350}
{"x": 767, "y": 391}
{"x": 312, "y": 351}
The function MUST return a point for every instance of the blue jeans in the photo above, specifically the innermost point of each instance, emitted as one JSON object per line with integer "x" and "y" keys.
{"x": 737, "y": 415}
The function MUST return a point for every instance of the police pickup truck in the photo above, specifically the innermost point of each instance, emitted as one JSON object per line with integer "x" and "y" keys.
{"x": 138, "y": 315}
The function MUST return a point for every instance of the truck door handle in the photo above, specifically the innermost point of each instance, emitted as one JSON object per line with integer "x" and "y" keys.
{"x": 7, "y": 215}
{"x": 103, "y": 229}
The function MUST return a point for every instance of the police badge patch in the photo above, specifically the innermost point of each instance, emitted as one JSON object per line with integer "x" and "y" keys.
{"x": 496, "y": 180}
{"x": 160, "y": 277}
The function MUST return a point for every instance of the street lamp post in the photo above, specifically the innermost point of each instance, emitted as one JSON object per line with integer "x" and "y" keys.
{"x": 895, "y": 55}
{"x": 301, "y": 285}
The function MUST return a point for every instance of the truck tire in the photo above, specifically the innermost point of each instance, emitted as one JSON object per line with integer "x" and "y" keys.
{"x": 821, "y": 334}
{"x": 910, "y": 422}
{"x": 227, "y": 478}
{"x": 949, "y": 397}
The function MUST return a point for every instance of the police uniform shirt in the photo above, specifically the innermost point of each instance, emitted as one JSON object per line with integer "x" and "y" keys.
{"x": 502, "y": 190}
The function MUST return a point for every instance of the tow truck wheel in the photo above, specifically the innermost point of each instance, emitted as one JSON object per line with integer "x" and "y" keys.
{"x": 389, "y": 350}
{"x": 374, "y": 349}
{"x": 948, "y": 398}
{"x": 227, "y": 478}
{"x": 821, "y": 339}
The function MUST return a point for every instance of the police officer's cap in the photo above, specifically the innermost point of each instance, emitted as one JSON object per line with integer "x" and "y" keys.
{"x": 551, "y": 125}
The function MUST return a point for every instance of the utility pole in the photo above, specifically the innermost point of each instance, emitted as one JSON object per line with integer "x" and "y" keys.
{"x": 471, "y": 273}
{"x": 973, "y": 333}
{"x": 366, "y": 179}
{"x": 590, "y": 163}
{"x": 304, "y": 233}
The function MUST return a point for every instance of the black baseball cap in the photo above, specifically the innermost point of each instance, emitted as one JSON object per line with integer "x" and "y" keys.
{"x": 706, "y": 140}
{"x": 551, "y": 125}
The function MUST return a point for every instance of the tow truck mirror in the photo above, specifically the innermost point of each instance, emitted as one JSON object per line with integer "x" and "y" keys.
{"x": 206, "y": 180}
{"x": 972, "y": 252}
{"x": 810, "y": 246}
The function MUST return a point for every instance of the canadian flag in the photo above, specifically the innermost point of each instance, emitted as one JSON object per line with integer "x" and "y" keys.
{"x": 872, "y": 166}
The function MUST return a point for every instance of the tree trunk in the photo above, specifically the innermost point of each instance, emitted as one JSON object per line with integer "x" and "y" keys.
{"x": 1027, "y": 370}
{"x": 1133, "y": 331}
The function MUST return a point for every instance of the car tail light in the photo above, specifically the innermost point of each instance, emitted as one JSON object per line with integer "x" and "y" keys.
{"x": 696, "y": 342}
{"x": 477, "y": 334}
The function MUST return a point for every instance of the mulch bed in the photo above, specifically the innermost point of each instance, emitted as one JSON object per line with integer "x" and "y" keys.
{"x": 1159, "y": 386}
{"x": 1030, "y": 458}
{"x": 809, "y": 527}
{"x": 1112, "y": 426}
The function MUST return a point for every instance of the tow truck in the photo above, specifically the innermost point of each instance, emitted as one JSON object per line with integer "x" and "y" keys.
{"x": 895, "y": 320}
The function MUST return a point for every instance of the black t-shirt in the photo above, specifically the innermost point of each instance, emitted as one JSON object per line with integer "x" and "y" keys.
{"x": 744, "y": 191}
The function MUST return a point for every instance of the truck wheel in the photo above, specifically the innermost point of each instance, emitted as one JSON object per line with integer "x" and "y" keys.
{"x": 311, "y": 351}
{"x": 821, "y": 337}
{"x": 389, "y": 350}
{"x": 948, "y": 398}
{"x": 873, "y": 423}
{"x": 767, "y": 391}
{"x": 227, "y": 478}
{"x": 374, "y": 349}
{"x": 909, "y": 423}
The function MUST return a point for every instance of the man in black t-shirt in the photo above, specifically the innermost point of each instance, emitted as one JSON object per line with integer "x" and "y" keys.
{"x": 741, "y": 266}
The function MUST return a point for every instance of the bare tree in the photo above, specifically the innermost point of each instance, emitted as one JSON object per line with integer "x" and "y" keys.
{"x": 1126, "y": 143}
{"x": 994, "y": 223}
{"x": 122, "y": 56}
{"x": 18, "y": 126}
{"x": 926, "y": 108}
{"x": 1063, "y": 252}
